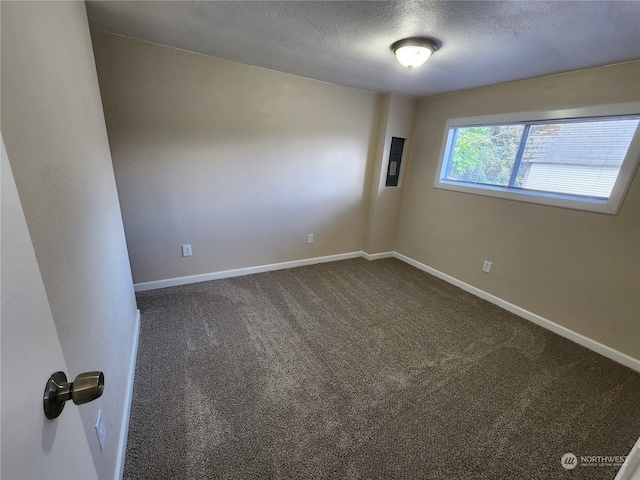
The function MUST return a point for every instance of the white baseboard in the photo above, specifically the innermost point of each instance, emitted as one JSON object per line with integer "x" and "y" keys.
{"x": 172, "y": 282}
{"x": 128, "y": 397}
{"x": 578, "y": 338}
{"x": 377, "y": 256}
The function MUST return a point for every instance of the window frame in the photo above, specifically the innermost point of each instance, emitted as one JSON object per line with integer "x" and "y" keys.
{"x": 620, "y": 188}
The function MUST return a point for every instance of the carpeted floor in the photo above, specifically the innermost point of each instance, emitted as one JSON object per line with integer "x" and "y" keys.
{"x": 359, "y": 369}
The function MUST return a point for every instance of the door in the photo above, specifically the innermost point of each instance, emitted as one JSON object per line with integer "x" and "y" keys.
{"x": 31, "y": 445}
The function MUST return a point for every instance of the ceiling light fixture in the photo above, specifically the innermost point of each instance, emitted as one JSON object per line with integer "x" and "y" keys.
{"x": 413, "y": 52}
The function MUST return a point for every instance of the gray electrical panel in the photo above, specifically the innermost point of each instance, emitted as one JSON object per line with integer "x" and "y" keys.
{"x": 395, "y": 157}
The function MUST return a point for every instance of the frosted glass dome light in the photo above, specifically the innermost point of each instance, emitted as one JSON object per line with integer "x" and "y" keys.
{"x": 413, "y": 52}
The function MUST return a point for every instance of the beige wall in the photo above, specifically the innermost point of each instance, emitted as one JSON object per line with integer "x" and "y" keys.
{"x": 55, "y": 136}
{"x": 396, "y": 119}
{"x": 240, "y": 162}
{"x": 578, "y": 269}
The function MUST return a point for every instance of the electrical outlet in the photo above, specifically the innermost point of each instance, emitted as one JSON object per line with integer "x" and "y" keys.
{"x": 310, "y": 238}
{"x": 186, "y": 250}
{"x": 486, "y": 266}
{"x": 101, "y": 430}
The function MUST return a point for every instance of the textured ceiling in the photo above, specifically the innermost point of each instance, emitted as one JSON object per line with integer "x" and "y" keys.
{"x": 347, "y": 43}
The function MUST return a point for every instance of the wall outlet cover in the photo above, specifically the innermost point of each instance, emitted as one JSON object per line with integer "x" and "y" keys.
{"x": 486, "y": 267}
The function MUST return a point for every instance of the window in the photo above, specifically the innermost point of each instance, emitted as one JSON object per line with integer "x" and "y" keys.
{"x": 581, "y": 158}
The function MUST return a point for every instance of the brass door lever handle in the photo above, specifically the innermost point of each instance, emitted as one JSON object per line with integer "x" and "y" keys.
{"x": 86, "y": 387}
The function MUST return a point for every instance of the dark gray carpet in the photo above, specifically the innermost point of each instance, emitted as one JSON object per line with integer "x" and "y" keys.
{"x": 360, "y": 369}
